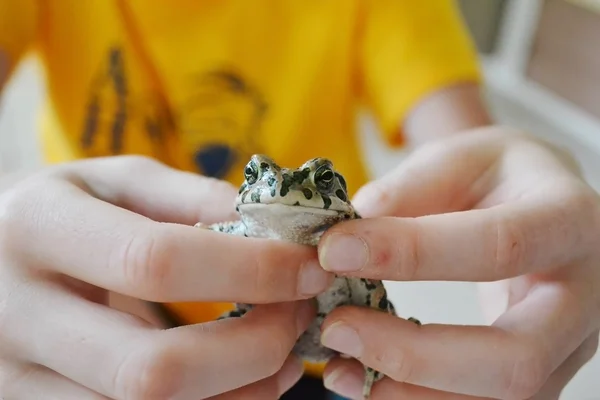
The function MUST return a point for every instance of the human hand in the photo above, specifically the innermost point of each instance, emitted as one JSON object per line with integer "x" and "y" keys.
{"x": 73, "y": 232}
{"x": 489, "y": 205}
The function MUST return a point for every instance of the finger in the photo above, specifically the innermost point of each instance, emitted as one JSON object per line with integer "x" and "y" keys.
{"x": 153, "y": 189}
{"x": 107, "y": 246}
{"x": 463, "y": 172}
{"x": 345, "y": 377}
{"x": 137, "y": 360}
{"x": 561, "y": 377}
{"x": 229, "y": 354}
{"x": 271, "y": 388}
{"x": 439, "y": 177}
{"x": 511, "y": 359}
{"x": 477, "y": 245}
{"x": 47, "y": 325}
{"x": 36, "y": 382}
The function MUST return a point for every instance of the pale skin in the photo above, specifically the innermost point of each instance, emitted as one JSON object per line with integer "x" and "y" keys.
{"x": 488, "y": 205}
{"x": 122, "y": 249}
{"x": 70, "y": 235}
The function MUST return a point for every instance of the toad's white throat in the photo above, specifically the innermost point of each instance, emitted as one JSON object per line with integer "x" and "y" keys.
{"x": 282, "y": 209}
{"x": 298, "y": 224}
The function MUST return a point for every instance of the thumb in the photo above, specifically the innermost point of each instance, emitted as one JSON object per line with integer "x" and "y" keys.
{"x": 437, "y": 178}
{"x": 152, "y": 189}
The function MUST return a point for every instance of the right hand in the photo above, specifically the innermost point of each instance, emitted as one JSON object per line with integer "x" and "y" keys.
{"x": 73, "y": 232}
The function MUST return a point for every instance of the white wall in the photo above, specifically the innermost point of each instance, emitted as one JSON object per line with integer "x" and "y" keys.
{"x": 18, "y": 118}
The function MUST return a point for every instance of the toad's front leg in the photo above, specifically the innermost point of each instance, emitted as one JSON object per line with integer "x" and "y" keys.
{"x": 232, "y": 227}
{"x": 375, "y": 297}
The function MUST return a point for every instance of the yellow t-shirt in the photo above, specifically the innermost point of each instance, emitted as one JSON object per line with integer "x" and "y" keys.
{"x": 203, "y": 84}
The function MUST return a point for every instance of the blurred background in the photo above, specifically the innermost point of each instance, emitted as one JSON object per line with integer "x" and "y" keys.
{"x": 541, "y": 60}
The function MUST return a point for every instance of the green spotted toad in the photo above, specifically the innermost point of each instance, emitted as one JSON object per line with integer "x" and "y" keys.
{"x": 299, "y": 205}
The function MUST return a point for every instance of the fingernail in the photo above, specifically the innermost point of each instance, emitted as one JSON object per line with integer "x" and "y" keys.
{"x": 306, "y": 314}
{"x": 343, "y": 253}
{"x": 342, "y": 338}
{"x": 343, "y": 382}
{"x": 313, "y": 279}
{"x": 289, "y": 374}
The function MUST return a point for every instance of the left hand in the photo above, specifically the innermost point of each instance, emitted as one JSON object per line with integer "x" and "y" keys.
{"x": 490, "y": 205}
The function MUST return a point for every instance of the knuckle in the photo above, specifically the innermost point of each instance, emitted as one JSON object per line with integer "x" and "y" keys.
{"x": 146, "y": 266}
{"x": 156, "y": 375}
{"x": 136, "y": 162}
{"x": 378, "y": 192}
{"x": 213, "y": 185}
{"x": 279, "y": 351}
{"x": 266, "y": 283}
{"x": 510, "y": 248}
{"x": 212, "y": 191}
{"x": 576, "y": 214}
{"x": 161, "y": 378}
{"x": 254, "y": 278}
{"x": 528, "y": 374}
{"x": 276, "y": 336}
{"x": 408, "y": 260}
{"x": 399, "y": 367}
{"x": 433, "y": 149}
{"x": 17, "y": 205}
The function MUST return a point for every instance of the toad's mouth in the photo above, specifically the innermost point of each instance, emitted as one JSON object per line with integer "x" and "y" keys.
{"x": 282, "y": 209}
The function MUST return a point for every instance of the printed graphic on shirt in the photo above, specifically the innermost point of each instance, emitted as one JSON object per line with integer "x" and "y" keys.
{"x": 221, "y": 121}
{"x": 110, "y": 109}
{"x": 218, "y": 123}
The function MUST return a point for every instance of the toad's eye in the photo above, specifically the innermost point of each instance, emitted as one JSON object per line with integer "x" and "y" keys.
{"x": 251, "y": 173}
{"x": 324, "y": 177}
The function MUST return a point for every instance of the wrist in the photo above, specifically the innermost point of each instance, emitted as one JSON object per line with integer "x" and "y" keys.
{"x": 447, "y": 112}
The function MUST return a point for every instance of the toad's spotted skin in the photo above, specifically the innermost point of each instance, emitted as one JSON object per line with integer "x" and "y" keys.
{"x": 298, "y": 205}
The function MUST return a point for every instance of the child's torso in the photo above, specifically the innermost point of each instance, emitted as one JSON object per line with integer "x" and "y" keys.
{"x": 202, "y": 85}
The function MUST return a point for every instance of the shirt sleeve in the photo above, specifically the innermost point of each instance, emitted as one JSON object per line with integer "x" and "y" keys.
{"x": 409, "y": 49}
{"x": 18, "y": 27}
